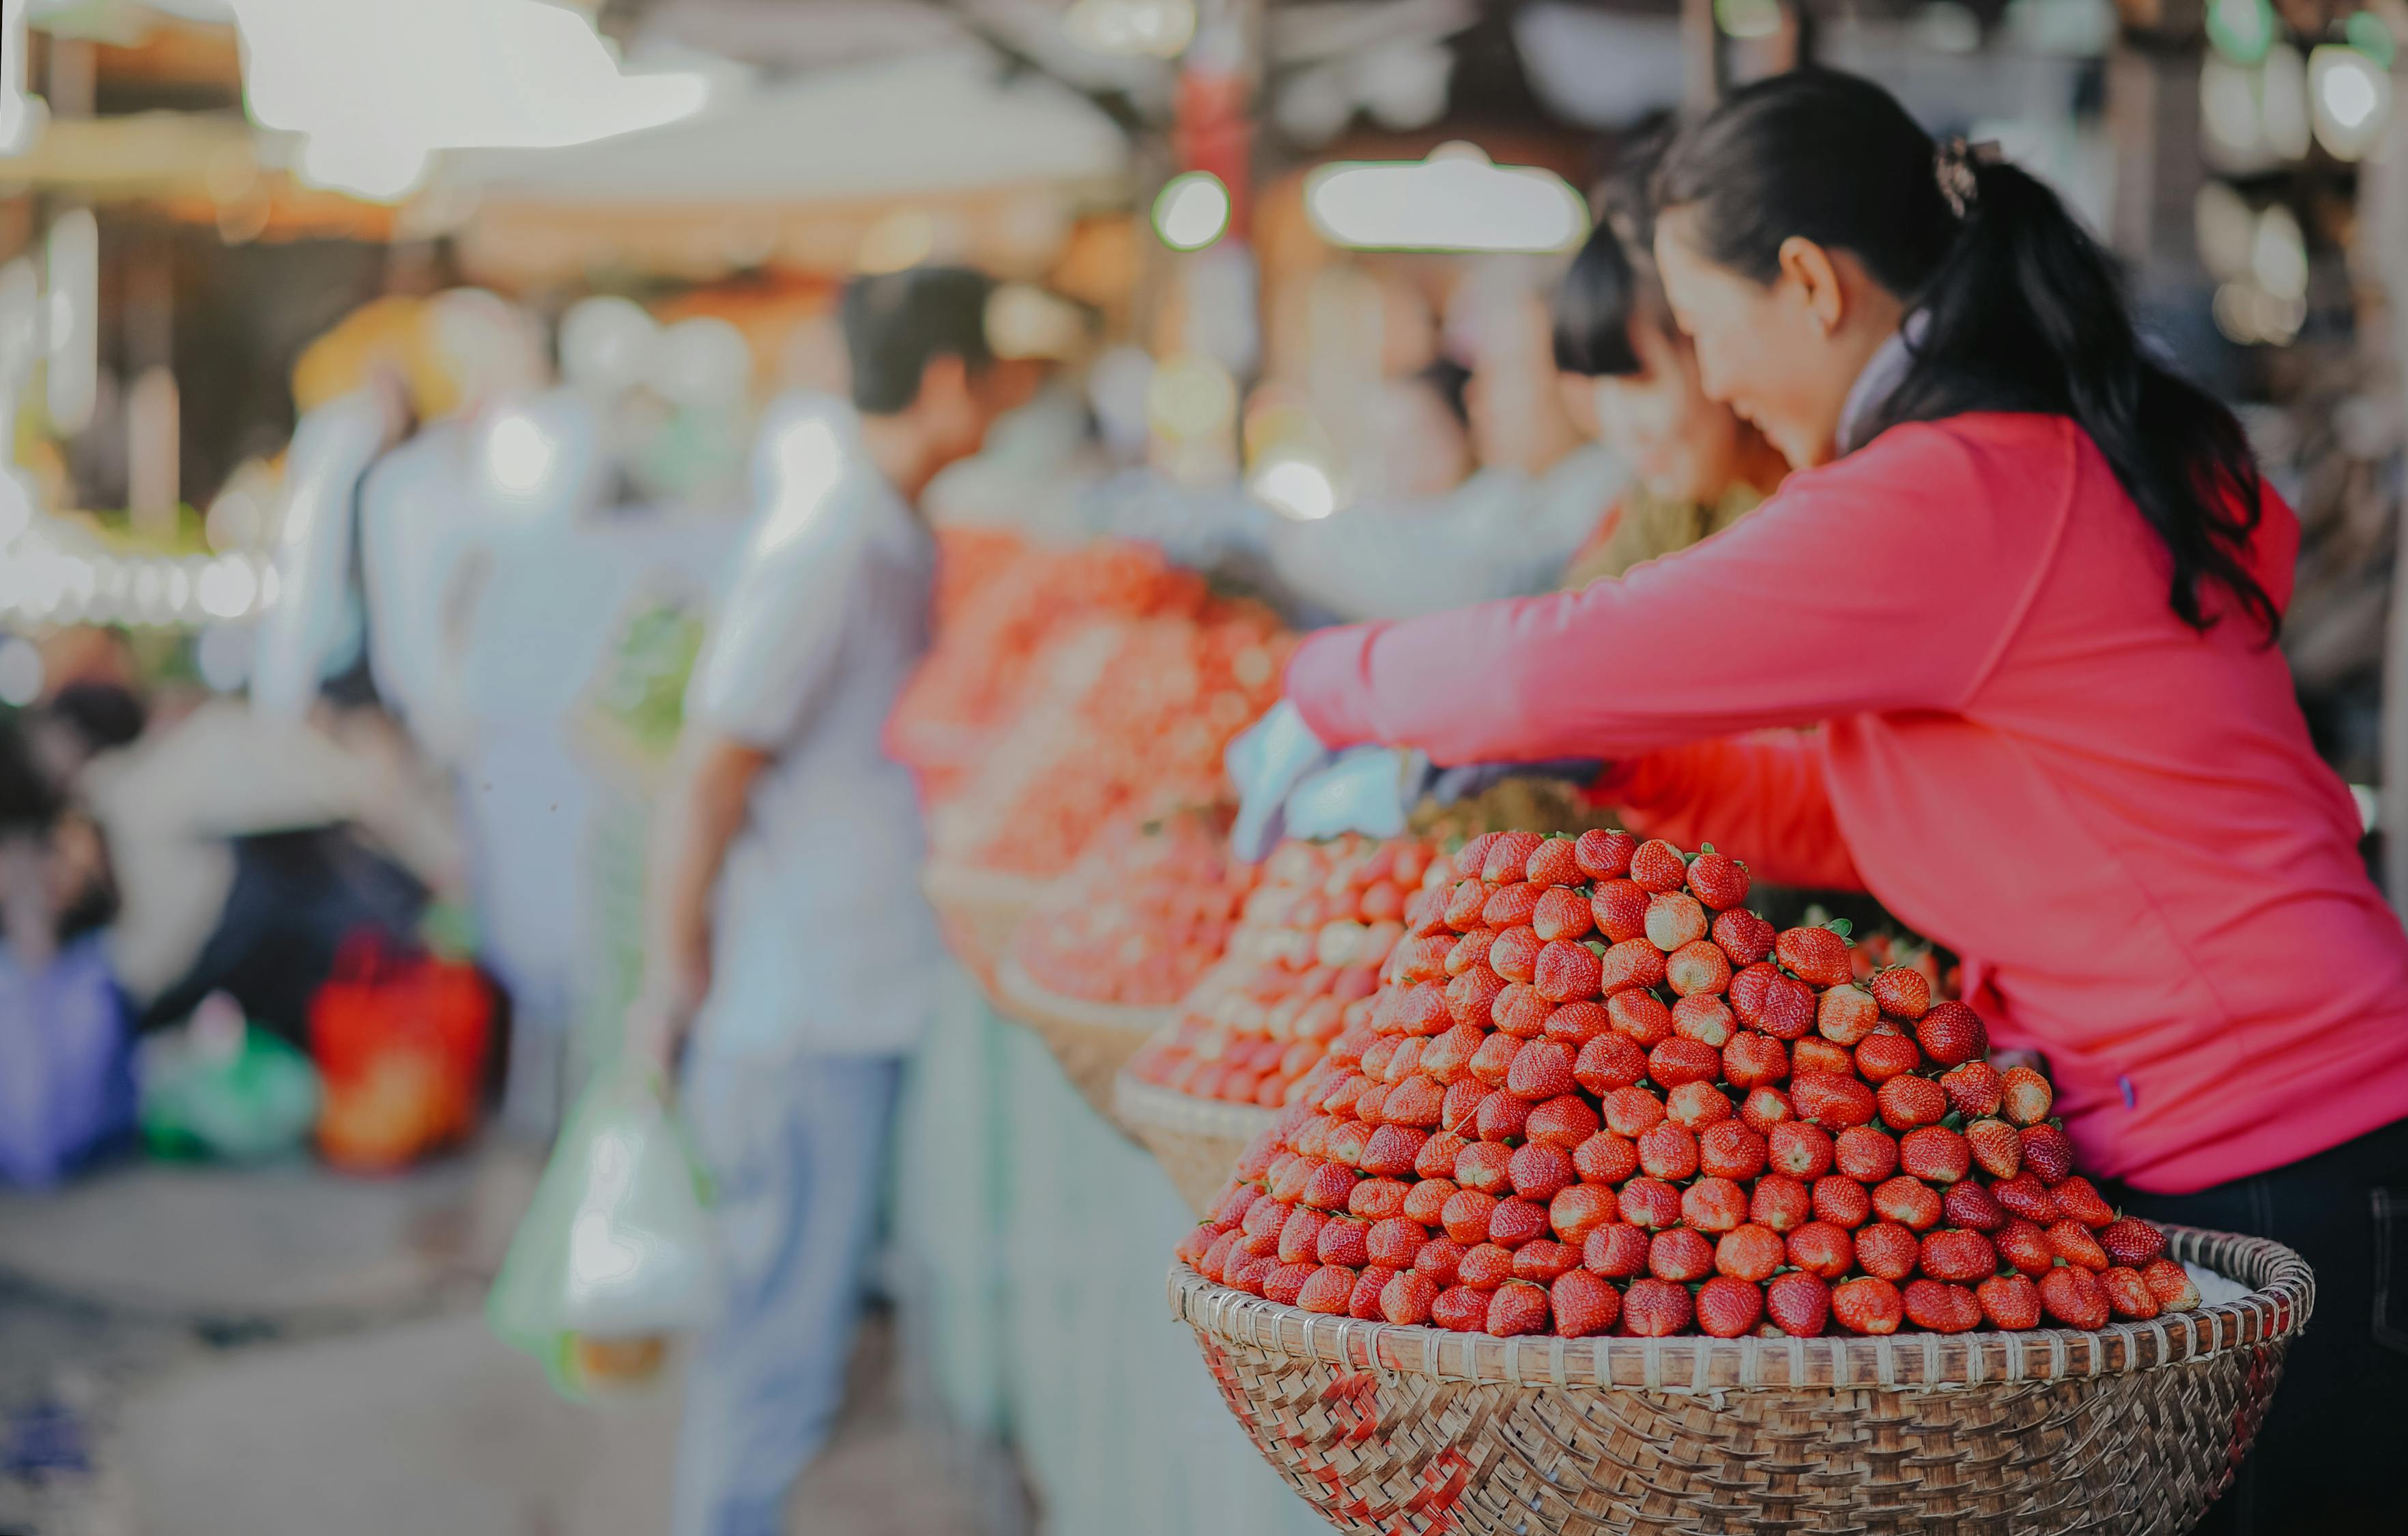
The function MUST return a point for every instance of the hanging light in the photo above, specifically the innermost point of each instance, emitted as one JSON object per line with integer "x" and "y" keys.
{"x": 1159, "y": 29}
{"x": 2242, "y": 30}
{"x": 1192, "y": 210}
{"x": 2350, "y": 97}
{"x": 1455, "y": 200}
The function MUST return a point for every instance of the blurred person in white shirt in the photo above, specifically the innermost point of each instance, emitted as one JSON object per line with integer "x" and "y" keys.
{"x": 787, "y": 924}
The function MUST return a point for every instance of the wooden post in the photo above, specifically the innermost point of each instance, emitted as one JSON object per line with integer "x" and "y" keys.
{"x": 1700, "y": 68}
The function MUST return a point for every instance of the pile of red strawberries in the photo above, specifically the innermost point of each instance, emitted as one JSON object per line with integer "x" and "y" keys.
{"x": 1597, "y": 1094}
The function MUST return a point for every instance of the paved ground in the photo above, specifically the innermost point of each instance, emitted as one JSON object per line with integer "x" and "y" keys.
{"x": 279, "y": 1353}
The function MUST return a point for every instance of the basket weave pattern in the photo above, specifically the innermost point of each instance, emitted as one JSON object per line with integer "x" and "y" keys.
{"x": 1197, "y": 1140}
{"x": 1091, "y": 1041}
{"x": 2133, "y": 1428}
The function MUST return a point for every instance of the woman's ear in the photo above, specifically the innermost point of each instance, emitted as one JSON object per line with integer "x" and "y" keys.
{"x": 1817, "y": 276}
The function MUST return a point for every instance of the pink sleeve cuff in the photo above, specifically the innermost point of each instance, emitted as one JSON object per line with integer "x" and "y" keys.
{"x": 1327, "y": 683}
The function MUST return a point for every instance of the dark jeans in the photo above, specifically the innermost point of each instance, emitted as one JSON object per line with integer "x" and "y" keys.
{"x": 2331, "y": 1456}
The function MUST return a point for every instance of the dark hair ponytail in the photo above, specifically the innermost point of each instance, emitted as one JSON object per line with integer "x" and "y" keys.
{"x": 1611, "y": 283}
{"x": 2025, "y": 310}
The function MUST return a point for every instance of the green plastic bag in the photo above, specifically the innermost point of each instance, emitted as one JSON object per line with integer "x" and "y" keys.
{"x": 615, "y": 1253}
{"x": 218, "y": 1088}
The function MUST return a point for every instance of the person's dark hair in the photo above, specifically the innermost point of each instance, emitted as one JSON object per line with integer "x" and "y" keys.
{"x": 895, "y": 323}
{"x": 2026, "y": 311}
{"x": 28, "y": 800}
{"x": 1448, "y": 378}
{"x": 1611, "y": 283}
{"x": 102, "y": 714}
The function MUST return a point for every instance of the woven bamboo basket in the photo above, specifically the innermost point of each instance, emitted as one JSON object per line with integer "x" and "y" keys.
{"x": 1091, "y": 1041}
{"x": 975, "y": 910}
{"x": 2133, "y": 1428}
{"x": 1197, "y": 1140}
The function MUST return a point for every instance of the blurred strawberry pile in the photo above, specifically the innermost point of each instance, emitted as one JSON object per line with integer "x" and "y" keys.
{"x": 1301, "y": 966}
{"x": 1146, "y": 912}
{"x": 1595, "y": 1093}
{"x": 1001, "y": 602}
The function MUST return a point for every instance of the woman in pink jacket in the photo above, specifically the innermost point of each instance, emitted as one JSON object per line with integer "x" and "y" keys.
{"x": 2024, "y": 586}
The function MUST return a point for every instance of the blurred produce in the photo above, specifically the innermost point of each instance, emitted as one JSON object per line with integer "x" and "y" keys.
{"x": 1143, "y": 914}
{"x": 218, "y": 1088}
{"x": 401, "y": 1043}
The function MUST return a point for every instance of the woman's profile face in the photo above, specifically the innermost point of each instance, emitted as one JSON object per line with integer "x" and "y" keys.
{"x": 1682, "y": 445}
{"x": 1766, "y": 351}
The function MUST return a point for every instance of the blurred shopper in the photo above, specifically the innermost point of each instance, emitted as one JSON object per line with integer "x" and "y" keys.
{"x": 787, "y": 918}
{"x": 2026, "y": 581}
{"x": 1696, "y": 466}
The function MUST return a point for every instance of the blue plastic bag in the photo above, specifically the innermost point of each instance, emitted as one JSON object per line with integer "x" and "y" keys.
{"x": 66, "y": 1064}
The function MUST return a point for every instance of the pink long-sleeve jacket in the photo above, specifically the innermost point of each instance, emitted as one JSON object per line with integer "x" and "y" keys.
{"x": 2020, "y": 750}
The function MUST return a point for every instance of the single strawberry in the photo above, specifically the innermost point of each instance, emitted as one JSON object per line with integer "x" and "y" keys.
{"x": 1820, "y": 1248}
{"x": 2171, "y": 1283}
{"x": 2048, "y": 1152}
{"x": 1492, "y": 1061}
{"x": 1541, "y": 1260}
{"x": 1436, "y": 1166}
{"x": 1779, "y": 1202}
{"x": 1727, "y": 1308}
{"x": 1868, "y": 1305}
{"x": 1520, "y": 1011}
{"x": 1728, "y": 1149}
{"x": 1214, "y": 1264}
{"x": 1749, "y": 1251}
{"x": 1344, "y": 1241}
{"x": 2078, "y": 1198}
{"x": 1265, "y": 1217}
{"x": 1564, "y": 1121}
{"x": 1669, "y": 1152}
{"x": 1284, "y": 1285}
{"x": 1555, "y": 862}
{"x": 1620, "y": 909}
{"x": 2027, "y": 1096}
{"x": 1846, "y": 1014}
{"x": 1391, "y": 1150}
{"x": 1935, "y": 1154}
{"x": 1742, "y": 934}
{"x": 1421, "y": 959}
{"x": 2010, "y": 1301}
{"x": 1472, "y": 949}
{"x": 1764, "y": 1107}
{"x": 1606, "y": 1159}
{"x": 2077, "y": 1244}
{"x": 1465, "y": 1217}
{"x": 1230, "y": 1207}
{"x": 1813, "y": 1054}
{"x": 1864, "y": 1154}
{"x": 1657, "y": 865}
{"x": 1941, "y": 1308}
{"x": 1696, "y": 969}
{"x": 1632, "y": 1112}
{"x": 1470, "y": 995}
{"x": 1618, "y": 1251}
{"x": 1842, "y": 1201}
{"x": 1831, "y": 1100}
{"x": 1609, "y": 1062}
{"x": 1798, "y": 1303}
{"x": 1888, "y": 1250}
{"x": 1425, "y": 913}
{"x": 1540, "y": 1171}
{"x": 1197, "y": 1242}
{"x": 1363, "y": 1303}
{"x": 1679, "y": 1060}
{"x": 1567, "y": 972}
{"x": 1675, "y": 919}
{"x": 1965, "y": 1203}
{"x": 1484, "y": 1266}
{"x": 1903, "y": 993}
{"x": 1704, "y": 1018}
{"x": 1510, "y": 905}
{"x": 1974, "y": 1089}
{"x": 2128, "y": 1293}
{"x": 1788, "y": 1008}
{"x": 1602, "y": 854}
{"x": 1417, "y": 1103}
{"x": 1951, "y": 1034}
{"x": 1656, "y": 1309}
{"x": 1463, "y": 904}
{"x": 1639, "y": 1016}
{"x": 1713, "y": 1205}
{"x": 1583, "y": 1305}
{"x": 1633, "y": 962}
{"x": 1910, "y": 1102}
{"x": 1441, "y": 1259}
{"x": 1817, "y": 956}
{"x": 2025, "y": 1245}
{"x": 1752, "y": 1061}
{"x": 1394, "y": 1242}
{"x": 1579, "y": 1210}
{"x": 2025, "y": 1196}
{"x": 1881, "y": 1057}
{"x": 1908, "y": 1202}
{"x": 2131, "y": 1242}
{"x": 1562, "y": 914}
{"x": 1800, "y": 1150}
{"x": 1329, "y": 1187}
{"x": 1461, "y": 1310}
{"x": 1998, "y": 1147}
{"x": 1681, "y": 1255}
{"x": 2072, "y": 1296}
{"x": 1350, "y": 1141}
{"x": 1541, "y": 1069}
{"x": 1577, "y": 1022}
{"x": 1448, "y": 1055}
{"x": 1251, "y": 1275}
{"x": 1696, "y": 1105}
{"x": 1508, "y": 858}
{"x": 1469, "y": 858}
{"x": 1650, "y": 1202}
{"x": 1958, "y": 1257}
{"x": 1299, "y": 1238}
{"x": 1485, "y": 1167}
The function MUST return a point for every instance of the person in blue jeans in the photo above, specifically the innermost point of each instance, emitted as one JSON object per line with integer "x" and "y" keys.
{"x": 788, "y": 925}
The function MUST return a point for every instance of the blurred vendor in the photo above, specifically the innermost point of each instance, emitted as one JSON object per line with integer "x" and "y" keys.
{"x": 787, "y": 920}
{"x": 1696, "y": 466}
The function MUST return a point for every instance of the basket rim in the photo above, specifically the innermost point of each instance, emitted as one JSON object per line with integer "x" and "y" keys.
{"x": 1016, "y": 988}
{"x": 1137, "y": 1102}
{"x": 2276, "y": 1309}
